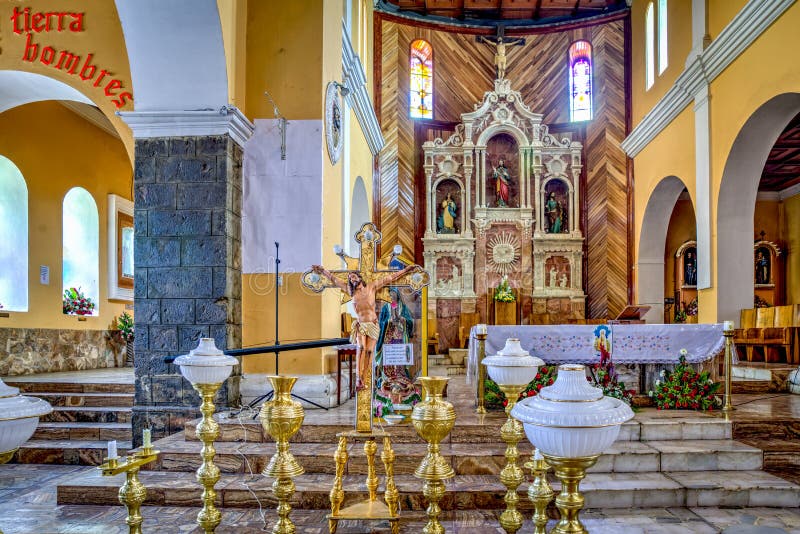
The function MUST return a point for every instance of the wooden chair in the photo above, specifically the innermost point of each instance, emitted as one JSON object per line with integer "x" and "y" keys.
{"x": 433, "y": 336}
{"x": 465, "y": 323}
{"x": 765, "y": 318}
{"x": 747, "y": 321}
{"x": 778, "y": 338}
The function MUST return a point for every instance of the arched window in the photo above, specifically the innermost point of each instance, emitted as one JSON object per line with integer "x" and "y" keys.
{"x": 649, "y": 51}
{"x": 663, "y": 54}
{"x": 421, "y": 86}
{"x": 81, "y": 253}
{"x": 13, "y": 238}
{"x": 580, "y": 81}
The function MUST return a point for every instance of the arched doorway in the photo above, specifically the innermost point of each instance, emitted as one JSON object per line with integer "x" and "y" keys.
{"x": 737, "y": 202}
{"x": 652, "y": 242}
{"x": 359, "y": 213}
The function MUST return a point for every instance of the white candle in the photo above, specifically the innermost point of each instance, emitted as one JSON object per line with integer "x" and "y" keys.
{"x": 727, "y": 325}
{"x": 112, "y": 449}
{"x": 537, "y": 455}
{"x": 480, "y": 329}
{"x": 146, "y": 438}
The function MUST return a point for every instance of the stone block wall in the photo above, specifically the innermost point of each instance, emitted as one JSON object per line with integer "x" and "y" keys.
{"x": 187, "y": 199}
{"x": 25, "y": 351}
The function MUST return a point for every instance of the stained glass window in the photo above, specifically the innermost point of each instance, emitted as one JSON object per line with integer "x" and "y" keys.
{"x": 81, "y": 251}
{"x": 649, "y": 52}
{"x": 580, "y": 81}
{"x": 13, "y": 238}
{"x": 421, "y": 86}
{"x": 662, "y": 36}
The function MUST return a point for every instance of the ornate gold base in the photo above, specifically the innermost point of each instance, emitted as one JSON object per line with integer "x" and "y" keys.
{"x": 540, "y": 494}
{"x": 208, "y": 474}
{"x": 570, "y": 501}
{"x": 372, "y": 509}
{"x": 133, "y": 493}
{"x": 511, "y": 476}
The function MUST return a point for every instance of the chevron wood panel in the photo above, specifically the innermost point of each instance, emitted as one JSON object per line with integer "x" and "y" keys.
{"x": 463, "y": 72}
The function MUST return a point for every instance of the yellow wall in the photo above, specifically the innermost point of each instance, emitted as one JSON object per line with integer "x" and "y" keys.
{"x": 102, "y": 37}
{"x": 56, "y": 150}
{"x": 233, "y": 19}
{"x": 720, "y": 13}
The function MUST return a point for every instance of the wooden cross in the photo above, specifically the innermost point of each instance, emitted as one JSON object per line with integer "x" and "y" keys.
{"x": 499, "y": 41}
{"x": 379, "y": 280}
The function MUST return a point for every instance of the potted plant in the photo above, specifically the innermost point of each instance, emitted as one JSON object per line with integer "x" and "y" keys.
{"x": 685, "y": 388}
{"x": 505, "y": 308}
{"x": 125, "y": 326}
{"x": 76, "y": 303}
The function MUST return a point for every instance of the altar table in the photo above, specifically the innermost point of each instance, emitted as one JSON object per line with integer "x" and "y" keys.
{"x": 630, "y": 343}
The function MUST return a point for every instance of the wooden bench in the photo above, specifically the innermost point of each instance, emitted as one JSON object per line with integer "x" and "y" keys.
{"x": 769, "y": 333}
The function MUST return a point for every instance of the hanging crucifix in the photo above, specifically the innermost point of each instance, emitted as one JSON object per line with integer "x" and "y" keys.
{"x": 500, "y": 41}
{"x": 364, "y": 284}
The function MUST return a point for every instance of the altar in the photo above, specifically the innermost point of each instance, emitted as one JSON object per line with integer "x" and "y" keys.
{"x": 648, "y": 345}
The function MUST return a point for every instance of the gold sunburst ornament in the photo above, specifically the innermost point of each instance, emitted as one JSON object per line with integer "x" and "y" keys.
{"x": 503, "y": 253}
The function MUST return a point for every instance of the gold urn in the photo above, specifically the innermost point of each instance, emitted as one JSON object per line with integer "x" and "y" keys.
{"x": 433, "y": 420}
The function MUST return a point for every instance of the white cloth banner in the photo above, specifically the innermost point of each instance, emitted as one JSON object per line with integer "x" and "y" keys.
{"x": 631, "y": 343}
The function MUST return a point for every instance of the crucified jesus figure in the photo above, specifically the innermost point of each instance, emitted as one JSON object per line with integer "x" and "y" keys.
{"x": 365, "y": 329}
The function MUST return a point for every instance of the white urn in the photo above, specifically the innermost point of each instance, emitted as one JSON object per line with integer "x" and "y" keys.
{"x": 206, "y": 364}
{"x": 512, "y": 365}
{"x": 571, "y": 418}
{"x": 19, "y": 420}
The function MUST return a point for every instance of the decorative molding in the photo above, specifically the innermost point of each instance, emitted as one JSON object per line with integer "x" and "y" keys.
{"x": 116, "y": 204}
{"x": 783, "y": 194}
{"x": 227, "y": 120}
{"x": 358, "y": 98}
{"x": 702, "y": 68}
{"x": 91, "y": 114}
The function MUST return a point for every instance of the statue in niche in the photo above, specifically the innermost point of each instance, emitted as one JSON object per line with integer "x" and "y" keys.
{"x": 563, "y": 282}
{"x": 446, "y": 222}
{"x": 502, "y": 182}
{"x": 762, "y": 266}
{"x": 553, "y": 277}
{"x": 554, "y": 211}
{"x": 690, "y": 267}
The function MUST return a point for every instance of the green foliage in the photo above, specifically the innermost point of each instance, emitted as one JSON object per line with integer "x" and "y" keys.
{"x": 125, "y": 326}
{"x": 76, "y": 303}
{"x": 686, "y": 388}
{"x": 544, "y": 377}
{"x": 503, "y": 292}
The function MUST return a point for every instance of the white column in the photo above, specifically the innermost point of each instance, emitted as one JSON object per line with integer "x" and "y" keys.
{"x": 431, "y": 199}
{"x": 576, "y": 185}
{"x": 479, "y": 179}
{"x": 700, "y": 37}
{"x": 571, "y": 213}
{"x": 702, "y": 147}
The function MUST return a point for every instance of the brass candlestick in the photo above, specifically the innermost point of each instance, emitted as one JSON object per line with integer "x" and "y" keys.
{"x": 208, "y": 474}
{"x": 727, "y": 407}
{"x": 433, "y": 420}
{"x": 570, "y": 501}
{"x": 281, "y": 418}
{"x": 511, "y": 476}
{"x": 133, "y": 493}
{"x": 539, "y": 493}
{"x": 481, "y": 373}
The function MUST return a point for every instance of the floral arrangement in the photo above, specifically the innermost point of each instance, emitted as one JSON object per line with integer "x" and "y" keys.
{"x": 605, "y": 377}
{"x": 691, "y": 308}
{"x": 503, "y": 292}
{"x": 76, "y": 303}
{"x": 126, "y": 327}
{"x": 544, "y": 377}
{"x": 685, "y": 388}
{"x": 759, "y": 302}
{"x": 680, "y": 315}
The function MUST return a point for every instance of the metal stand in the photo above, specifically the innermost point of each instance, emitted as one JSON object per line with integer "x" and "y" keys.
{"x": 727, "y": 407}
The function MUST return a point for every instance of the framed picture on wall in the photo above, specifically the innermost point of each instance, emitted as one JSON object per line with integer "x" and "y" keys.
{"x": 120, "y": 248}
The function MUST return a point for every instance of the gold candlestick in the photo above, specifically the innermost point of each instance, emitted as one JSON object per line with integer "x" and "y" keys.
{"x": 727, "y": 407}
{"x": 511, "y": 476}
{"x": 281, "y": 418}
{"x": 208, "y": 474}
{"x": 539, "y": 493}
{"x": 433, "y": 420}
{"x": 133, "y": 493}
{"x": 481, "y": 373}
{"x": 570, "y": 501}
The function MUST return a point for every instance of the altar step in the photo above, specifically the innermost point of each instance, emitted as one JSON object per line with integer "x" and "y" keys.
{"x": 760, "y": 377}
{"x": 66, "y": 452}
{"x": 601, "y": 490}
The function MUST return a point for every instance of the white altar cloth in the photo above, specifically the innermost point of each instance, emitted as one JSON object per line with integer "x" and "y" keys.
{"x": 630, "y": 343}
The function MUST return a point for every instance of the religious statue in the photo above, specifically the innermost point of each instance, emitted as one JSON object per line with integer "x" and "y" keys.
{"x": 762, "y": 266}
{"x": 500, "y": 42}
{"x": 394, "y": 383}
{"x": 446, "y": 223}
{"x": 563, "y": 282}
{"x": 555, "y": 214}
{"x": 690, "y": 268}
{"x": 502, "y": 181}
{"x": 553, "y": 277}
{"x": 365, "y": 330}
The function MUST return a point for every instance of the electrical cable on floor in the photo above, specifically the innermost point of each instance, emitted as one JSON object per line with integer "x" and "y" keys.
{"x": 261, "y": 511}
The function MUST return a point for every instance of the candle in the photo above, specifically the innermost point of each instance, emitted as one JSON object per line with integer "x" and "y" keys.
{"x": 112, "y": 449}
{"x": 480, "y": 329}
{"x": 727, "y": 325}
{"x": 537, "y": 455}
{"x": 146, "y": 438}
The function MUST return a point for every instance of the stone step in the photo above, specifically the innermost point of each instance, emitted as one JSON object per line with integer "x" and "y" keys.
{"x": 648, "y": 425}
{"x": 83, "y": 431}
{"x": 100, "y": 414}
{"x": 69, "y": 387}
{"x": 66, "y": 452}
{"x": 89, "y": 400}
{"x": 779, "y": 454}
{"x": 601, "y": 490}
{"x": 439, "y": 359}
{"x": 455, "y": 370}
{"x": 743, "y": 385}
{"x": 466, "y": 458}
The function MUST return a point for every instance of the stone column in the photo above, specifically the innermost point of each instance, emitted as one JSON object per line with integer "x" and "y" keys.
{"x": 187, "y": 201}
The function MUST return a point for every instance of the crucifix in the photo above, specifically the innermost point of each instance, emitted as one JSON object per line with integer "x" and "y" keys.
{"x": 500, "y": 41}
{"x": 364, "y": 284}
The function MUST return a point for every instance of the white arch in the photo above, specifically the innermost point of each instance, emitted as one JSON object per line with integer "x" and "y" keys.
{"x": 359, "y": 212}
{"x": 652, "y": 242}
{"x": 176, "y": 54}
{"x": 518, "y": 135}
{"x": 18, "y": 88}
{"x": 558, "y": 177}
{"x": 737, "y": 202}
{"x": 80, "y": 240}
